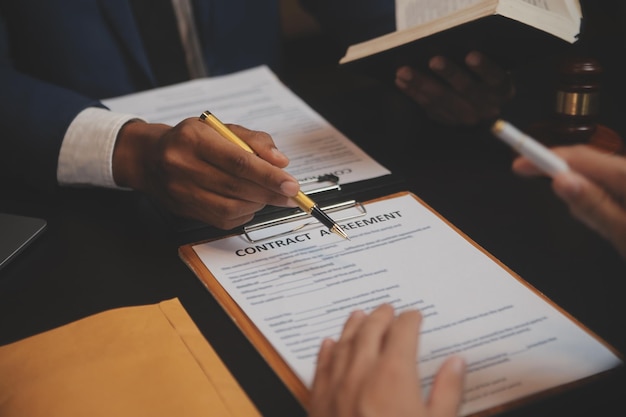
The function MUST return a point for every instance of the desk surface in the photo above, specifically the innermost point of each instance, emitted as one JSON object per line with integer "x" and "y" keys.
{"x": 105, "y": 249}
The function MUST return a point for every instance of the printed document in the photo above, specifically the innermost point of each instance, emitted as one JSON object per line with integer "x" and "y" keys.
{"x": 258, "y": 100}
{"x": 299, "y": 288}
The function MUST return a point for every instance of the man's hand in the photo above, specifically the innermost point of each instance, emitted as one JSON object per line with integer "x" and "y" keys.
{"x": 454, "y": 95}
{"x": 196, "y": 173}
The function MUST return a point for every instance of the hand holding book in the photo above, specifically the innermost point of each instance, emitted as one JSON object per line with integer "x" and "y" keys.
{"x": 458, "y": 95}
{"x": 511, "y": 31}
{"x": 433, "y": 55}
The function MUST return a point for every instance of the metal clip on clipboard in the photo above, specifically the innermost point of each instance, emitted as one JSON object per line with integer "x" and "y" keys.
{"x": 300, "y": 221}
{"x": 328, "y": 182}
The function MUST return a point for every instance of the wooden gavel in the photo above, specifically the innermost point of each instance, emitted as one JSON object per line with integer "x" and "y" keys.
{"x": 576, "y": 109}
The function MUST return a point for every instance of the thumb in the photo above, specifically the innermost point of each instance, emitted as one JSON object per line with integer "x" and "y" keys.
{"x": 593, "y": 206}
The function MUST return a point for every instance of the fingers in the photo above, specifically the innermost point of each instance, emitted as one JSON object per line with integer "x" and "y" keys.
{"x": 437, "y": 99}
{"x": 467, "y": 90}
{"x": 606, "y": 170}
{"x": 454, "y": 94}
{"x": 372, "y": 370}
{"x": 347, "y": 366}
{"x": 195, "y": 172}
{"x": 446, "y": 394}
{"x": 593, "y": 206}
{"x": 332, "y": 363}
{"x": 459, "y": 80}
{"x": 263, "y": 145}
{"x": 401, "y": 340}
{"x": 343, "y": 350}
{"x": 233, "y": 161}
{"x": 366, "y": 345}
{"x": 492, "y": 75}
{"x": 320, "y": 389}
{"x": 594, "y": 189}
{"x": 236, "y": 174}
{"x": 395, "y": 384}
{"x": 523, "y": 167}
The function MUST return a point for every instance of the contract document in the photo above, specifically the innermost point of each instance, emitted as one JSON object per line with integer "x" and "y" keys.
{"x": 258, "y": 100}
{"x": 288, "y": 293}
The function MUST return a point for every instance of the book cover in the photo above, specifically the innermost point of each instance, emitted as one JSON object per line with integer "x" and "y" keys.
{"x": 507, "y": 41}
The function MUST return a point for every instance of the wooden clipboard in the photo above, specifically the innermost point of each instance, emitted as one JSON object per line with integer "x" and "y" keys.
{"x": 281, "y": 367}
{"x": 245, "y": 324}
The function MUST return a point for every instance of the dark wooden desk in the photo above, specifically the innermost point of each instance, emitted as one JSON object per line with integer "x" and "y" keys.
{"x": 105, "y": 249}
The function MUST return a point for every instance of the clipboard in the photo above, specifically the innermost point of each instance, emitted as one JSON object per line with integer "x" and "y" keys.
{"x": 298, "y": 388}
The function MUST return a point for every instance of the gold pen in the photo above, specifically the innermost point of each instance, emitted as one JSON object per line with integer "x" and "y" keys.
{"x": 303, "y": 200}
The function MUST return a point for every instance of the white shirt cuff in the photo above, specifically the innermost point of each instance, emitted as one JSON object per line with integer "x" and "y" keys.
{"x": 86, "y": 156}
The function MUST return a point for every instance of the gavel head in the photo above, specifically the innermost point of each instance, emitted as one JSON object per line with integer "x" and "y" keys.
{"x": 577, "y": 101}
{"x": 577, "y": 109}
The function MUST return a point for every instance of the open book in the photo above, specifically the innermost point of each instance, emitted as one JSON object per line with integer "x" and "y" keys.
{"x": 510, "y": 31}
{"x": 289, "y": 290}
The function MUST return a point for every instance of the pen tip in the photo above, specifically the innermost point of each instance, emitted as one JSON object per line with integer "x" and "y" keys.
{"x": 337, "y": 230}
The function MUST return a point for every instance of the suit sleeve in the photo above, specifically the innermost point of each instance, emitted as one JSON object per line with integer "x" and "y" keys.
{"x": 34, "y": 116}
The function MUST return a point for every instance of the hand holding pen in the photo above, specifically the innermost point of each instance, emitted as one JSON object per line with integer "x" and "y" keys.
{"x": 302, "y": 200}
{"x": 541, "y": 156}
{"x": 191, "y": 171}
{"x": 589, "y": 181}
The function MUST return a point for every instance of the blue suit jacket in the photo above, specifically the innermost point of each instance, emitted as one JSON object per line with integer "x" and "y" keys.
{"x": 58, "y": 57}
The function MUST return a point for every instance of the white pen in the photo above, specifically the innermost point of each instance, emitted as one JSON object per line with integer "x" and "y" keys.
{"x": 546, "y": 160}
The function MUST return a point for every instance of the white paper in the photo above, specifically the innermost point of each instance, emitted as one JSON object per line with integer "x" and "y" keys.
{"x": 299, "y": 289}
{"x": 559, "y": 17}
{"x": 258, "y": 100}
{"x": 411, "y": 13}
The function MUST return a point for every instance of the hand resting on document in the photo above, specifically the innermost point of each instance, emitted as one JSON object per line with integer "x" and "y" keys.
{"x": 371, "y": 371}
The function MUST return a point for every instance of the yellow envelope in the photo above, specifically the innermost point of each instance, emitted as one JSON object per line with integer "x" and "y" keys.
{"x": 134, "y": 361}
